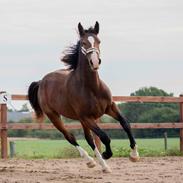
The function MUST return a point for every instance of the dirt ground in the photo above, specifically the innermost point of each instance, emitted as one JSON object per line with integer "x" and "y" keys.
{"x": 147, "y": 170}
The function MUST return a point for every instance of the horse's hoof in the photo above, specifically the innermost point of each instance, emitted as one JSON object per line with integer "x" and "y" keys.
{"x": 134, "y": 155}
{"x": 91, "y": 164}
{"x": 106, "y": 155}
{"x": 107, "y": 170}
{"x": 134, "y": 158}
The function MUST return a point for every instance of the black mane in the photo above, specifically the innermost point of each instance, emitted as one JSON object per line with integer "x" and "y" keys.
{"x": 71, "y": 56}
{"x": 71, "y": 53}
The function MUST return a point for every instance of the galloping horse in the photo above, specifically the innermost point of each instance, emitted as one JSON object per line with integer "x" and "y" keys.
{"x": 78, "y": 93}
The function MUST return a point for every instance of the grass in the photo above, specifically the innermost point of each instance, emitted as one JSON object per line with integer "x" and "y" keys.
{"x": 31, "y": 149}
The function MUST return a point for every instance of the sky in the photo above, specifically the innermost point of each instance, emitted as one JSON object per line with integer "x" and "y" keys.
{"x": 141, "y": 41}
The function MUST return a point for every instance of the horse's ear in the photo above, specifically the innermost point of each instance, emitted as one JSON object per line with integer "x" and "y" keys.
{"x": 81, "y": 30}
{"x": 96, "y": 28}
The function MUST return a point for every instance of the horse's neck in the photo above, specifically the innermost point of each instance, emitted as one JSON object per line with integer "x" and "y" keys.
{"x": 85, "y": 75}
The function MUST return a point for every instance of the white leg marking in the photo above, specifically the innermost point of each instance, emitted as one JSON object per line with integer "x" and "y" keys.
{"x": 90, "y": 161}
{"x": 102, "y": 162}
{"x": 134, "y": 155}
{"x": 95, "y": 60}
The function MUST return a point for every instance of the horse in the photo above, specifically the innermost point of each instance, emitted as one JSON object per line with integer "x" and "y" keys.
{"x": 77, "y": 92}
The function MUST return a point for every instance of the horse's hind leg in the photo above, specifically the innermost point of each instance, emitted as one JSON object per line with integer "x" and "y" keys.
{"x": 114, "y": 112}
{"x": 91, "y": 125}
{"x": 58, "y": 123}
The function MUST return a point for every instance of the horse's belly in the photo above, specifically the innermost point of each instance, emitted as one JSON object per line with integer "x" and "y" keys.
{"x": 68, "y": 113}
{"x": 96, "y": 110}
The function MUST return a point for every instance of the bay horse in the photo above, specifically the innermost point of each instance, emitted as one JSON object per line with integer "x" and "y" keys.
{"x": 78, "y": 93}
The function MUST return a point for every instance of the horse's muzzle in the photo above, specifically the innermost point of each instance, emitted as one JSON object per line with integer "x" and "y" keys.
{"x": 95, "y": 66}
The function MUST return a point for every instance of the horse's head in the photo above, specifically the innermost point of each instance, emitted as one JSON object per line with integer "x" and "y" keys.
{"x": 90, "y": 42}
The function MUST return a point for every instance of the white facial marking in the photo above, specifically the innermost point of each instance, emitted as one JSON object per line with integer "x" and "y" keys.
{"x": 91, "y": 40}
{"x": 95, "y": 60}
{"x": 94, "y": 56}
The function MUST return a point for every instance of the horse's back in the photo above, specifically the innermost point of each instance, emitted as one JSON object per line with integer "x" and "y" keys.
{"x": 58, "y": 76}
{"x": 64, "y": 72}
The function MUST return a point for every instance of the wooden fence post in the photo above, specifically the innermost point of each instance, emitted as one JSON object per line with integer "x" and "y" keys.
{"x": 165, "y": 140}
{"x": 181, "y": 120}
{"x": 3, "y": 129}
{"x": 12, "y": 149}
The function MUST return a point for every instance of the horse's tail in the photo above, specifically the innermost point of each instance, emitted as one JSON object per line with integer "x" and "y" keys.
{"x": 33, "y": 99}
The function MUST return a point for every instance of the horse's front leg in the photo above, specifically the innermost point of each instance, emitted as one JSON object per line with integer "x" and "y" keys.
{"x": 90, "y": 161}
{"x": 89, "y": 125}
{"x": 113, "y": 111}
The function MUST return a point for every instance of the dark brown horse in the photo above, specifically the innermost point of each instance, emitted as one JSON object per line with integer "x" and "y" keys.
{"x": 78, "y": 93}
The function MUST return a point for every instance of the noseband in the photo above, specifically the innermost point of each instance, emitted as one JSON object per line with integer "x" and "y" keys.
{"x": 89, "y": 50}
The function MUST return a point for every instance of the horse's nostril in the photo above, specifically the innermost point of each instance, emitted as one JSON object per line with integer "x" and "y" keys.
{"x": 99, "y": 61}
{"x": 91, "y": 62}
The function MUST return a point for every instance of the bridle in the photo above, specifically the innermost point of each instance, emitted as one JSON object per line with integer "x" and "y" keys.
{"x": 90, "y": 50}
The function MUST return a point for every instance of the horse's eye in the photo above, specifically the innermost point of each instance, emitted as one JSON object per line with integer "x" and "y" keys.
{"x": 84, "y": 43}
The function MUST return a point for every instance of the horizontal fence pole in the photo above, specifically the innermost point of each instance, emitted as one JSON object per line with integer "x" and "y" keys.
{"x": 41, "y": 126}
{"x": 19, "y": 97}
{"x": 147, "y": 99}
{"x": 126, "y": 98}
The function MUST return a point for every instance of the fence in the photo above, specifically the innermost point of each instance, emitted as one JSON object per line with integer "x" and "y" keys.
{"x": 5, "y": 126}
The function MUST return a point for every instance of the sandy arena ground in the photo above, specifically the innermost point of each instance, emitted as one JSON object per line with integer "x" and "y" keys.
{"x": 148, "y": 170}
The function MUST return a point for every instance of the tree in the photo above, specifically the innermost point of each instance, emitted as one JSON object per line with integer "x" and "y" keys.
{"x": 133, "y": 111}
{"x": 160, "y": 115}
{"x": 150, "y": 112}
{"x": 24, "y": 108}
{"x": 151, "y": 91}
